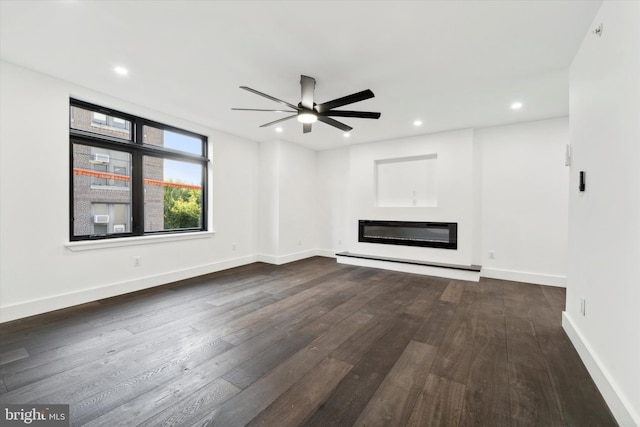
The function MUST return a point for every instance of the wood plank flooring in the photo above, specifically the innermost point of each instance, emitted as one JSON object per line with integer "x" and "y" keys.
{"x": 311, "y": 343}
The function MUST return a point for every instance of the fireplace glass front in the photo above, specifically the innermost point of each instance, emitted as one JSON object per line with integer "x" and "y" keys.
{"x": 409, "y": 233}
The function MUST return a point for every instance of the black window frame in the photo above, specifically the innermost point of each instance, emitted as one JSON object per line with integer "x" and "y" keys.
{"x": 137, "y": 149}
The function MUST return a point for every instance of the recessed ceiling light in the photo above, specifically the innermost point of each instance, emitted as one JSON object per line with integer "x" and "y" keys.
{"x": 278, "y": 129}
{"x": 516, "y": 105}
{"x": 417, "y": 123}
{"x": 347, "y": 134}
{"x": 121, "y": 71}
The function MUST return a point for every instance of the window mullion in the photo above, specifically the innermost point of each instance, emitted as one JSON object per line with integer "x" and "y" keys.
{"x": 137, "y": 195}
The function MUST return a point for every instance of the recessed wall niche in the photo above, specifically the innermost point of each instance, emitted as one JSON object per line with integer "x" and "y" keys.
{"x": 407, "y": 181}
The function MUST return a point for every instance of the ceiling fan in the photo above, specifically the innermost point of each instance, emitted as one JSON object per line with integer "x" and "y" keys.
{"x": 308, "y": 112}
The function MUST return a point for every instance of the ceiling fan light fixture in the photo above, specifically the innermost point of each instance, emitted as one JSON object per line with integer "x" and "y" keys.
{"x": 307, "y": 117}
{"x": 308, "y": 112}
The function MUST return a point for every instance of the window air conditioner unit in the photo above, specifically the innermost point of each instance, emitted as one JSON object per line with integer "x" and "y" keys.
{"x": 99, "y": 158}
{"x": 119, "y": 228}
{"x": 101, "y": 219}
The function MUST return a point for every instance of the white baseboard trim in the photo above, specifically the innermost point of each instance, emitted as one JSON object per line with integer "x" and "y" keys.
{"x": 326, "y": 253}
{"x": 620, "y": 406}
{"x": 526, "y": 277}
{"x": 43, "y": 305}
{"x": 284, "y": 259}
{"x": 471, "y": 276}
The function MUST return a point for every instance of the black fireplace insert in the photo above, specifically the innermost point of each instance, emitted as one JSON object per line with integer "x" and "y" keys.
{"x": 409, "y": 233}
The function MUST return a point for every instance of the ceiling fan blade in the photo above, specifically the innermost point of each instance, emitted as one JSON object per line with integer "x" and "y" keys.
{"x": 307, "y": 86}
{"x": 349, "y": 99}
{"x": 278, "y": 121}
{"x": 334, "y": 123}
{"x": 269, "y": 97}
{"x": 258, "y": 109}
{"x": 358, "y": 114}
{"x": 306, "y": 127}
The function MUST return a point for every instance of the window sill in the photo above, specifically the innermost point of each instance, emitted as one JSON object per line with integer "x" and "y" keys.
{"x": 88, "y": 245}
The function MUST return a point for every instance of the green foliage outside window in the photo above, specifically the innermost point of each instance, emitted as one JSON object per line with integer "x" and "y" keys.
{"x": 182, "y": 208}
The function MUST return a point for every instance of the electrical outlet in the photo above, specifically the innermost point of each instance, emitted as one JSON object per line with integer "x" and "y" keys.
{"x": 233, "y": 247}
{"x": 492, "y": 255}
{"x": 137, "y": 261}
{"x": 583, "y": 306}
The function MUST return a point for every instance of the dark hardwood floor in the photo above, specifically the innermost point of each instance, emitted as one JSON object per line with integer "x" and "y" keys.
{"x": 311, "y": 343}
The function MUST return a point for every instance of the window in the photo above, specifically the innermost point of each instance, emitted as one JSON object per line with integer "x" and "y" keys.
{"x": 99, "y": 118}
{"x": 110, "y": 218}
{"x": 175, "y": 201}
{"x": 121, "y": 180}
{"x": 131, "y": 176}
{"x": 117, "y": 122}
{"x": 102, "y": 122}
{"x": 99, "y": 178}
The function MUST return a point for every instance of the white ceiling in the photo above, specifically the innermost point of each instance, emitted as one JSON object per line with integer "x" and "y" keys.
{"x": 452, "y": 64}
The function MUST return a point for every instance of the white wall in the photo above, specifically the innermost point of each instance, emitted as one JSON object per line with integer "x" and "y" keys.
{"x": 288, "y": 202}
{"x": 297, "y": 199}
{"x": 510, "y": 184}
{"x": 38, "y": 272}
{"x": 454, "y": 152}
{"x": 604, "y": 221}
{"x": 524, "y": 201}
{"x": 332, "y": 212}
{"x": 269, "y": 198}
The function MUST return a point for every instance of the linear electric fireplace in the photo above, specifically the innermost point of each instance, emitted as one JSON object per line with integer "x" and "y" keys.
{"x": 409, "y": 233}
